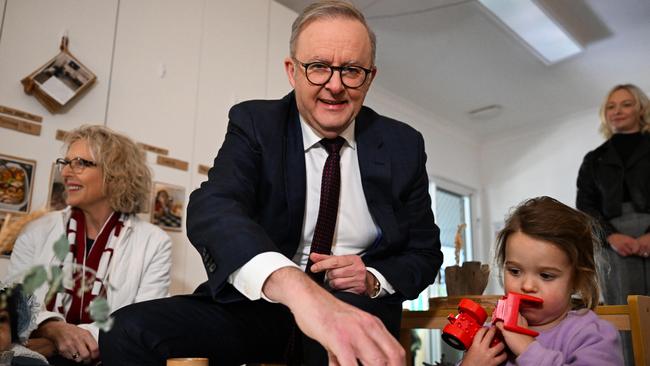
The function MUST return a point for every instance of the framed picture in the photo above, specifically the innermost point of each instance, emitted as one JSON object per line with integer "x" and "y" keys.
{"x": 57, "y": 195}
{"x": 59, "y": 81}
{"x": 16, "y": 183}
{"x": 167, "y": 206}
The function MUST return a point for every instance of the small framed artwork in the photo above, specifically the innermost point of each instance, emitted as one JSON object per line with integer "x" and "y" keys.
{"x": 57, "y": 195}
{"x": 167, "y": 206}
{"x": 60, "y": 80}
{"x": 16, "y": 183}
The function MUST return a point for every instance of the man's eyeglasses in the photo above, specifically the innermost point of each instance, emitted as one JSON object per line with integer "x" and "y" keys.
{"x": 77, "y": 164}
{"x": 320, "y": 73}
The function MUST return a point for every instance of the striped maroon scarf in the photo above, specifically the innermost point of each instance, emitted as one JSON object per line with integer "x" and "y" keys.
{"x": 87, "y": 285}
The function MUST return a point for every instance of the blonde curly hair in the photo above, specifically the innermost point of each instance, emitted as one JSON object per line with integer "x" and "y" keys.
{"x": 126, "y": 176}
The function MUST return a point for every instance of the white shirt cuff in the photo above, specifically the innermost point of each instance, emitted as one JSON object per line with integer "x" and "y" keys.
{"x": 386, "y": 287}
{"x": 249, "y": 278}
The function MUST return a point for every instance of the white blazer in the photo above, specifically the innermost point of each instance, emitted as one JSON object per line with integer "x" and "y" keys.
{"x": 139, "y": 269}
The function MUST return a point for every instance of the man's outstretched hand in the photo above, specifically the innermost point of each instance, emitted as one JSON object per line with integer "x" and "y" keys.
{"x": 347, "y": 333}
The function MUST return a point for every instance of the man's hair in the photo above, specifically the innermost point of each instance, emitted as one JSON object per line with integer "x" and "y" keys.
{"x": 573, "y": 232}
{"x": 126, "y": 176}
{"x": 641, "y": 102}
{"x": 329, "y": 9}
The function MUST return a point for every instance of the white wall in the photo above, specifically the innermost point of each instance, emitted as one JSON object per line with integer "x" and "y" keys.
{"x": 31, "y": 35}
{"x": 168, "y": 71}
{"x": 154, "y": 83}
{"x": 281, "y": 17}
{"x": 534, "y": 162}
{"x": 2, "y": 12}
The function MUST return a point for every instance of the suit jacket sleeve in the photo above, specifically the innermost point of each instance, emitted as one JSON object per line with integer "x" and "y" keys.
{"x": 220, "y": 214}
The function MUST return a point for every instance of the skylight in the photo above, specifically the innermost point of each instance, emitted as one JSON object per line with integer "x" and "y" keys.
{"x": 531, "y": 24}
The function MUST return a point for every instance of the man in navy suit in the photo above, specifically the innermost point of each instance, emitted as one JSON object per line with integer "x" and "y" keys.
{"x": 253, "y": 221}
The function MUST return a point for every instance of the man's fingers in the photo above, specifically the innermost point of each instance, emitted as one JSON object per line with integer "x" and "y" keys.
{"x": 392, "y": 352}
{"x": 346, "y": 272}
{"x": 342, "y": 356}
{"x": 332, "y": 361}
{"x": 346, "y": 284}
{"x": 317, "y": 257}
{"x": 325, "y": 264}
{"x": 369, "y": 343}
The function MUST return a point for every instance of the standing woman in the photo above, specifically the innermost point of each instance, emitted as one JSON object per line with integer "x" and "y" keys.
{"x": 107, "y": 183}
{"x": 614, "y": 188}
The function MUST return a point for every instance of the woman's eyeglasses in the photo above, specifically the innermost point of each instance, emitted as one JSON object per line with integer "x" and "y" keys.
{"x": 77, "y": 164}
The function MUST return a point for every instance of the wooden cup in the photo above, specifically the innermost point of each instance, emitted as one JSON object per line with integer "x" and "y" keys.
{"x": 188, "y": 361}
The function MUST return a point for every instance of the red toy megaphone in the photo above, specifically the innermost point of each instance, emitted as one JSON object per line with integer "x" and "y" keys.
{"x": 462, "y": 328}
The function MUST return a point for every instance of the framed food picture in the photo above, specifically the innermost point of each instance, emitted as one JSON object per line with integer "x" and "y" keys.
{"x": 56, "y": 197}
{"x": 16, "y": 183}
{"x": 167, "y": 206}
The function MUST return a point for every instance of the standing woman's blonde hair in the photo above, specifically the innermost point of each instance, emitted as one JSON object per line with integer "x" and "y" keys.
{"x": 125, "y": 174}
{"x": 642, "y": 105}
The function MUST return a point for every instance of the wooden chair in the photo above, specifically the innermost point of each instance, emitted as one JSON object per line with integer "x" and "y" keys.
{"x": 634, "y": 317}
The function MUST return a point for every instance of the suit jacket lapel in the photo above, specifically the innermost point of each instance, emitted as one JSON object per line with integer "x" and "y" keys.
{"x": 374, "y": 164}
{"x": 294, "y": 175}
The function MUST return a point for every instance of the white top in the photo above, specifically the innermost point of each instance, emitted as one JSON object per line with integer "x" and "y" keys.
{"x": 355, "y": 229}
{"x": 139, "y": 269}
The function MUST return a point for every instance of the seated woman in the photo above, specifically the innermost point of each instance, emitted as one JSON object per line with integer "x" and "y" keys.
{"x": 107, "y": 182}
{"x": 16, "y": 310}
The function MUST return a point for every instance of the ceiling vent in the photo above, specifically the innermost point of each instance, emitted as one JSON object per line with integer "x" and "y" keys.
{"x": 487, "y": 112}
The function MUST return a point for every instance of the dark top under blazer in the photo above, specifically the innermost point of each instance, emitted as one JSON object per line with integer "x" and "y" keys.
{"x": 602, "y": 178}
{"x": 254, "y": 198}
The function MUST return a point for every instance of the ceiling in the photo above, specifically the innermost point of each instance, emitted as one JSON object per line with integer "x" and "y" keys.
{"x": 450, "y": 57}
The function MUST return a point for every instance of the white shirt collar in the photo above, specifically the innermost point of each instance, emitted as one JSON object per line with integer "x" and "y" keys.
{"x": 310, "y": 137}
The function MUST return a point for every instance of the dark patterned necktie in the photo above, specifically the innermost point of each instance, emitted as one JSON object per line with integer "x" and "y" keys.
{"x": 329, "y": 203}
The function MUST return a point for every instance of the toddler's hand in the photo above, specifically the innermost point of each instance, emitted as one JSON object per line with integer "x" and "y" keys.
{"x": 516, "y": 342}
{"x": 481, "y": 354}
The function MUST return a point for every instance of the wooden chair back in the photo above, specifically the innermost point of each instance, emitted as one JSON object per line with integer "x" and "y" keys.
{"x": 633, "y": 317}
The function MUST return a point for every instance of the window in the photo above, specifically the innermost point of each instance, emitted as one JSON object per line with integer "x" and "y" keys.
{"x": 451, "y": 204}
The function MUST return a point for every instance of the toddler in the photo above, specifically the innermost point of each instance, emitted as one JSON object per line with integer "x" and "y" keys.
{"x": 547, "y": 250}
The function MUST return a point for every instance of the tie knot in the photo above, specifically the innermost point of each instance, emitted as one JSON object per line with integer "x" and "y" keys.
{"x": 333, "y": 145}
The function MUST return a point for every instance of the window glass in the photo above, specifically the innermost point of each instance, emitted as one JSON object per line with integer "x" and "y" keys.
{"x": 451, "y": 210}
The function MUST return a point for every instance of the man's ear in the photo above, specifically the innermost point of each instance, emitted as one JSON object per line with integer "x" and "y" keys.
{"x": 290, "y": 69}
{"x": 373, "y": 74}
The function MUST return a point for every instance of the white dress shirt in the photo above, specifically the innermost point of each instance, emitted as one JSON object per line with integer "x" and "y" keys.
{"x": 355, "y": 229}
